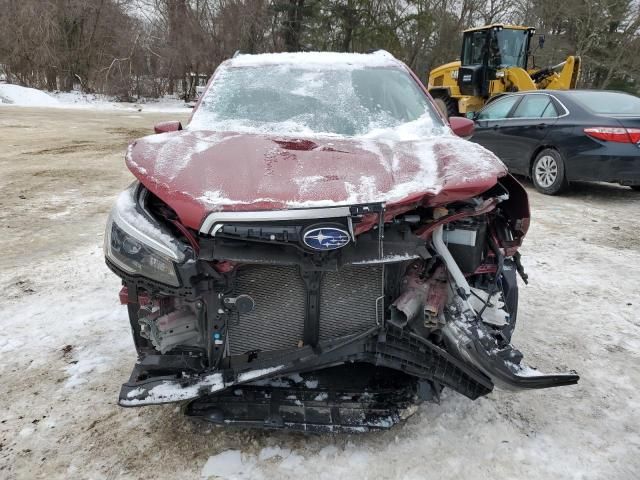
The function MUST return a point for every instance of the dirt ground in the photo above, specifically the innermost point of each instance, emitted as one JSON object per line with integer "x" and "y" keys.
{"x": 65, "y": 346}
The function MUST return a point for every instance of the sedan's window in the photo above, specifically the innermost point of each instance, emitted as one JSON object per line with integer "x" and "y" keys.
{"x": 498, "y": 109}
{"x": 289, "y": 99}
{"x": 551, "y": 111}
{"x": 608, "y": 102}
{"x": 535, "y": 106}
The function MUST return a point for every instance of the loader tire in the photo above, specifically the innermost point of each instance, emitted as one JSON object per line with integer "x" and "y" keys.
{"x": 448, "y": 106}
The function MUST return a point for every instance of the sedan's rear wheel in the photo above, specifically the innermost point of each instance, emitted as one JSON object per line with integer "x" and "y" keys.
{"x": 548, "y": 172}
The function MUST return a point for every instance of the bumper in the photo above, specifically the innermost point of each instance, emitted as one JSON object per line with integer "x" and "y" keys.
{"x": 378, "y": 347}
{"x": 613, "y": 163}
{"x": 253, "y": 393}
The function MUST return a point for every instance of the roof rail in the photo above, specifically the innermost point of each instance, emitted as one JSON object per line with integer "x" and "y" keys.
{"x": 237, "y": 52}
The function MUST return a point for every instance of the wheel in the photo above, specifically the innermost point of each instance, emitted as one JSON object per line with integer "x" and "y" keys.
{"x": 548, "y": 172}
{"x": 447, "y": 106}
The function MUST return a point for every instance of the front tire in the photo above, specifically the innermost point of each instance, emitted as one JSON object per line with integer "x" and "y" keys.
{"x": 548, "y": 172}
{"x": 447, "y": 106}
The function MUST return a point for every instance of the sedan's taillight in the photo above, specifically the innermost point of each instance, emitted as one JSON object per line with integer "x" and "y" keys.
{"x": 614, "y": 134}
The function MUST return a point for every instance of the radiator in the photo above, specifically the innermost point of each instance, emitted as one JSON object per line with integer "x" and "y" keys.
{"x": 349, "y": 300}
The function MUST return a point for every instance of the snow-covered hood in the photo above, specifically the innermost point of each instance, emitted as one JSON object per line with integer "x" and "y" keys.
{"x": 197, "y": 172}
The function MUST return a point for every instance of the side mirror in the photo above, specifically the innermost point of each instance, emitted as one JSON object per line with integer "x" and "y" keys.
{"x": 164, "y": 127}
{"x": 463, "y": 127}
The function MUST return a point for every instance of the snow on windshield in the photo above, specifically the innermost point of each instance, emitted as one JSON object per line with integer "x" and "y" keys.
{"x": 255, "y": 94}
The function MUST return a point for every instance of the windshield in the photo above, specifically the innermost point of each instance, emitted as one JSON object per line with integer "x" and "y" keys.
{"x": 611, "y": 103}
{"x": 287, "y": 99}
{"x": 512, "y": 48}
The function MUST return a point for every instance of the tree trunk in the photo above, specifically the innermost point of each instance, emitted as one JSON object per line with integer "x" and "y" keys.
{"x": 293, "y": 25}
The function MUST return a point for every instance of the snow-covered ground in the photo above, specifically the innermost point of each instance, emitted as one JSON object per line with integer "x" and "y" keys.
{"x": 30, "y": 97}
{"x": 65, "y": 345}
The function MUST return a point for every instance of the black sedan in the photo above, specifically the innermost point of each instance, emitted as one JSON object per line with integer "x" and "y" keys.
{"x": 556, "y": 136}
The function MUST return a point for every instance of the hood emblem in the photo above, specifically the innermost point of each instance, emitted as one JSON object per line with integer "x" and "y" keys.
{"x": 326, "y": 238}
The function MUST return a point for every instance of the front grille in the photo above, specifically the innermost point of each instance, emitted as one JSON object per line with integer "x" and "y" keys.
{"x": 348, "y": 302}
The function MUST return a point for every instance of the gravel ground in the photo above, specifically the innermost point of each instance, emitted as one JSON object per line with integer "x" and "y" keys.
{"x": 65, "y": 346}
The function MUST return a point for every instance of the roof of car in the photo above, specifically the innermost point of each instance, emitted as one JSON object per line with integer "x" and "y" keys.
{"x": 556, "y": 93}
{"x": 498, "y": 25}
{"x": 378, "y": 58}
{"x": 567, "y": 93}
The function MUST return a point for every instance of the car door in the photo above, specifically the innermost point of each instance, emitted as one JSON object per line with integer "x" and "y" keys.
{"x": 489, "y": 121}
{"x": 525, "y": 130}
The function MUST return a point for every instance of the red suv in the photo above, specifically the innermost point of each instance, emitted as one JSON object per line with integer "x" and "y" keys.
{"x": 318, "y": 250}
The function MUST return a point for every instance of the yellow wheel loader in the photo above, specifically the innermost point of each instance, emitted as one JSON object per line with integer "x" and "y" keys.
{"x": 494, "y": 60}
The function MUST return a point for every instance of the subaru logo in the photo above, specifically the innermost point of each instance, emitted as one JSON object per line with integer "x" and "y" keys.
{"x": 325, "y": 238}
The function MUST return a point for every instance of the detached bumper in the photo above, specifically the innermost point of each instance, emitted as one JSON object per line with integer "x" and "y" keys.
{"x": 503, "y": 365}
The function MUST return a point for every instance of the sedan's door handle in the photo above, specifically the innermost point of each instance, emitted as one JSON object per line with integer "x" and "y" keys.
{"x": 542, "y": 126}
{"x": 496, "y": 126}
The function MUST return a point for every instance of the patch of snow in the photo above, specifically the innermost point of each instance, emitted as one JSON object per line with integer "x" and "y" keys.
{"x": 287, "y": 128}
{"x": 271, "y": 452}
{"x": 76, "y": 99}
{"x": 8, "y": 344}
{"x": 135, "y": 392}
{"x": 295, "y": 378}
{"x": 172, "y": 392}
{"x": 328, "y": 451}
{"x": 224, "y": 465}
{"x": 359, "y": 458}
{"x": 88, "y": 363}
{"x": 309, "y": 81}
{"x": 17, "y": 95}
{"x": 24, "y": 96}
{"x": 294, "y": 462}
{"x": 388, "y": 259}
{"x": 26, "y": 431}
{"x": 524, "y": 370}
{"x": 304, "y": 183}
{"x": 494, "y": 313}
{"x": 172, "y": 151}
{"x": 246, "y": 376}
{"x": 405, "y": 132}
{"x": 384, "y": 422}
{"x": 364, "y": 189}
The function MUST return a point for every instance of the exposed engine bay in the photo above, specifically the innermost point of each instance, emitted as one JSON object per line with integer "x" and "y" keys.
{"x": 322, "y": 319}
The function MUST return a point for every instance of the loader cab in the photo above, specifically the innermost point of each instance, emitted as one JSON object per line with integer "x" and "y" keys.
{"x": 487, "y": 50}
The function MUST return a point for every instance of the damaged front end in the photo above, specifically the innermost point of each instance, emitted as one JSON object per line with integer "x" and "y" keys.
{"x": 322, "y": 319}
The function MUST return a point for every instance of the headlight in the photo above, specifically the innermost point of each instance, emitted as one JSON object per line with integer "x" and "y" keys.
{"x": 137, "y": 245}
